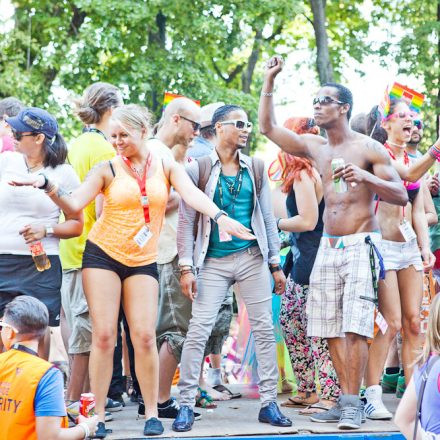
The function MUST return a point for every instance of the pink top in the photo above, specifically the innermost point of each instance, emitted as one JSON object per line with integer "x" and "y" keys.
{"x": 7, "y": 144}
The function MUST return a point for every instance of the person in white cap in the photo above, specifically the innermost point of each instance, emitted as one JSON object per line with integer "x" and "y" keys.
{"x": 203, "y": 144}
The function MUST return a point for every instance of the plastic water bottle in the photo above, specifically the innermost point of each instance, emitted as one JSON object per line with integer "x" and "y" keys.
{"x": 39, "y": 256}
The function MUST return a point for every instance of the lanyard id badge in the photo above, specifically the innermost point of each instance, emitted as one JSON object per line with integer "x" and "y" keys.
{"x": 407, "y": 231}
{"x": 143, "y": 236}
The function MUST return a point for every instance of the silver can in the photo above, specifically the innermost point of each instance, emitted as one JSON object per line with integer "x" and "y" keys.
{"x": 339, "y": 184}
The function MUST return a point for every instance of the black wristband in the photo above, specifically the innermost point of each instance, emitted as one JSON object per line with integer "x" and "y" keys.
{"x": 275, "y": 268}
{"x": 219, "y": 214}
{"x": 46, "y": 181}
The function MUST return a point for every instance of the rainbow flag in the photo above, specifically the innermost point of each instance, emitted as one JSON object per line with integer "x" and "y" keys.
{"x": 168, "y": 97}
{"x": 398, "y": 91}
{"x": 384, "y": 105}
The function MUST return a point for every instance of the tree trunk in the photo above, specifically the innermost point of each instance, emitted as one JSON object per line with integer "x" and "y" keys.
{"x": 323, "y": 64}
{"x": 246, "y": 77}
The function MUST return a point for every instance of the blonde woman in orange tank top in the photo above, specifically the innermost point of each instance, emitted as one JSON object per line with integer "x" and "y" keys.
{"x": 119, "y": 263}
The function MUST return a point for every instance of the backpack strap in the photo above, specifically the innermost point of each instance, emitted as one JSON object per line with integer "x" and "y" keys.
{"x": 425, "y": 375}
{"x": 205, "y": 166}
{"x": 258, "y": 172}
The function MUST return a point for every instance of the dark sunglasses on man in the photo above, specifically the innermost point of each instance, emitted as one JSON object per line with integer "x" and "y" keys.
{"x": 241, "y": 125}
{"x": 326, "y": 100}
{"x": 196, "y": 125}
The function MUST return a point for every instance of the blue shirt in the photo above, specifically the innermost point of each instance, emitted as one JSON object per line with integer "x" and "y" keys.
{"x": 241, "y": 210}
{"x": 200, "y": 147}
{"x": 49, "y": 397}
{"x": 430, "y": 411}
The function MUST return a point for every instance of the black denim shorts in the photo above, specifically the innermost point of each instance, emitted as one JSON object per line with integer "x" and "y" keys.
{"x": 95, "y": 257}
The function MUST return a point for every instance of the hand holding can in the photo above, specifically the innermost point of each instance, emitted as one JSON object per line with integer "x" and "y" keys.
{"x": 339, "y": 184}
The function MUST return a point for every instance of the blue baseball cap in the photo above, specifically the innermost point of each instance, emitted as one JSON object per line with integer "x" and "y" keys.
{"x": 35, "y": 120}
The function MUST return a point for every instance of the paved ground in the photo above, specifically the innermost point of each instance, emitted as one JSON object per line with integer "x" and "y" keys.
{"x": 237, "y": 417}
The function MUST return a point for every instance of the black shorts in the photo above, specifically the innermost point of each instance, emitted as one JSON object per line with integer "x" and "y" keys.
{"x": 19, "y": 276}
{"x": 95, "y": 257}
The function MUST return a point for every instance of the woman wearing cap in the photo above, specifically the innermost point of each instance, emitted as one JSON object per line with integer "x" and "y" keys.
{"x": 121, "y": 250}
{"x": 28, "y": 216}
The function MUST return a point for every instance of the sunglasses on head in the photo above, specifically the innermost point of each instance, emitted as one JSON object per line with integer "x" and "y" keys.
{"x": 6, "y": 325}
{"x": 326, "y": 100}
{"x": 241, "y": 125}
{"x": 418, "y": 123}
{"x": 196, "y": 126}
{"x": 402, "y": 115}
{"x": 19, "y": 135}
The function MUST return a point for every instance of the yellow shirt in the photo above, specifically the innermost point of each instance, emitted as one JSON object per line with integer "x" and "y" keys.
{"x": 85, "y": 152}
{"x": 167, "y": 246}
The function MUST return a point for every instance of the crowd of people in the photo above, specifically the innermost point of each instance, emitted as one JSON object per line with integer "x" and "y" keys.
{"x": 134, "y": 238}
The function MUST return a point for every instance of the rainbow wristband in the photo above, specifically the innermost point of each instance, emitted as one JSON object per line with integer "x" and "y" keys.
{"x": 435, "y": 153}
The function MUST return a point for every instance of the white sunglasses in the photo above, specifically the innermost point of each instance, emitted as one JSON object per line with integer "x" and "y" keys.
{"x": 241, "y": 125}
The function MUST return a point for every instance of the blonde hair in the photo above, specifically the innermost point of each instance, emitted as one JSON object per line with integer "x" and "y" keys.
{"x": 97, "y": 99}
{"x": 432, "y": 340}
{"x": 133, "y": 117}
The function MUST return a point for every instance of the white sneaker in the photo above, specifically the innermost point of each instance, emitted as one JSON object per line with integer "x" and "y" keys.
{"x": 374, "y": 408}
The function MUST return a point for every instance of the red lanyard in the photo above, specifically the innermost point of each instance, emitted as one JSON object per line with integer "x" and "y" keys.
{"x": 141, "y": 182}
{"x": 406, "y": 162}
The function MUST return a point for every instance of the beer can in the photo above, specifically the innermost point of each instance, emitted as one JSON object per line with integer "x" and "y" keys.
{"x": 339, "y": 184}
{"x": 87, "y": 404}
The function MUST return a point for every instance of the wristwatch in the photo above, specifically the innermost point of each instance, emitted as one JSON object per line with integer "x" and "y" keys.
{"x": 46, "y": 181}
{"x": 275, "y": 268}
{"x": 49, "y": 231}
{"x": 219, "y": 214}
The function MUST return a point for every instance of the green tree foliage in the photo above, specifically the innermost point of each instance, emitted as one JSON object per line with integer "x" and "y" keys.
{"x": 205, "y": 49}
{"x": 414, "y": 42}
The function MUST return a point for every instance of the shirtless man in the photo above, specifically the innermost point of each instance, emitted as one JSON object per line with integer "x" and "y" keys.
{"x": 342, "y": 293}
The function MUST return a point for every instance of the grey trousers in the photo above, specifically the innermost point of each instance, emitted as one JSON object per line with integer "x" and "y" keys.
{"x": 217, "y": 275}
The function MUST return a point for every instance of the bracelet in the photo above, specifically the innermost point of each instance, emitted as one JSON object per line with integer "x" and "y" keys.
{"x": 266, "y": 93}
{"x": 275, "y": 268}
{"x": 86, "y": 429}
{"x": 184, "y": 272}
{"x": 51, "y": 189}
{"x": 219, "y": 214}
{"x": 435, "y": 153}
{"x": 278, "y": 223}
{"x": 46, "y": 181}
{"x": 184, "y": 267}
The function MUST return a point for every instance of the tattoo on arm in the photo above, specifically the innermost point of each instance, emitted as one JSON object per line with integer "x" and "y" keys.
{"x": 62, "y": 192}
{"x": 378, "y": 151}
{"x": 96, "y": 169}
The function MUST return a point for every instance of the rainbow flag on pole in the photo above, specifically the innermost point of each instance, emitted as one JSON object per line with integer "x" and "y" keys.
{"x": 168, "y": 97}
{"x": 398, "y": 91}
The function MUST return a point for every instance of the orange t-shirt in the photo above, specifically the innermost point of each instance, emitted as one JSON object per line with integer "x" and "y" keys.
{"x": 20, "y": 374}
{"x": 123, "y": 216}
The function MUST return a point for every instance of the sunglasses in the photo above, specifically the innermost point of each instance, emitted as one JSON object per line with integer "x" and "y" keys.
{"x": 418, "y": 123}
{"x": 18, "y": 136}
{"x": 241, "y": 125}
{"x": 326, "y": 100}
{"x": 5, "y": 324}
{"x": 402, "y": 115}
{"x": 196, "y": 125}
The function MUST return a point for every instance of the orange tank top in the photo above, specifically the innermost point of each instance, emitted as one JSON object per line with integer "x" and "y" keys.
{"x": 20, "y": 374}
{"x": 122, "y": 216}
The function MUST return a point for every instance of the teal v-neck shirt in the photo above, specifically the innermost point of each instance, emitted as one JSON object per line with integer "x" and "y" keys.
{"x": 241, "y": 210}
